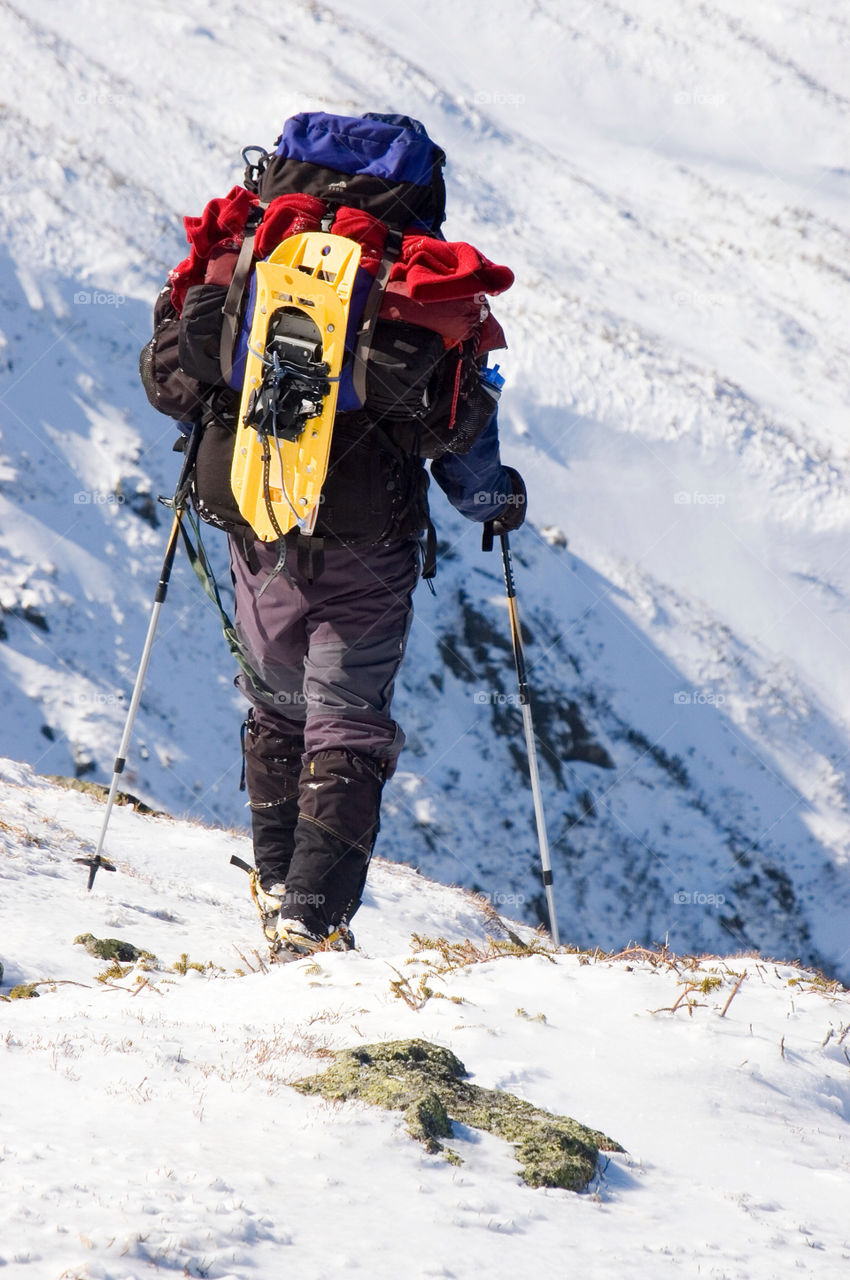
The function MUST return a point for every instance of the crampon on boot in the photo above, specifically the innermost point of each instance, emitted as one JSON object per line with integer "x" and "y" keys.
{"x": 267, "y": 903}
{"x": 293, "y": 940}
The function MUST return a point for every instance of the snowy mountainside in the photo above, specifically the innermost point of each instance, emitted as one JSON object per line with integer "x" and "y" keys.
{"x": 668, "y": 185}
{"x": 149, "y": 1124}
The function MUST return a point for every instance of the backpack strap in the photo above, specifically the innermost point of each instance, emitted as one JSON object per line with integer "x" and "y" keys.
{"x": 366, "y": 332}
{"x": 311, "y": 557}
{"x": 233, "y": 301}
{"x": 438, "y": 192}
{"x": 428, "y": 550}
{"x": 428, "y": 544}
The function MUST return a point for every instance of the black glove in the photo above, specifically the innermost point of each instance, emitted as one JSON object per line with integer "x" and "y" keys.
{"x": 513, "y": 512}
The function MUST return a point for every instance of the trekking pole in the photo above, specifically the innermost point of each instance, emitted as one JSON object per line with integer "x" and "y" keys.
{"x": 178, "y": 506}
{"x": 528, "y": 725}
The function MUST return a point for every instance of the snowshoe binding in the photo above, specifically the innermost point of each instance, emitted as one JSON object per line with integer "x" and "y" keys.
{"x": 293, "y": 941}
{"x": 268, "y": 904}
{"x": 267, "y": 901}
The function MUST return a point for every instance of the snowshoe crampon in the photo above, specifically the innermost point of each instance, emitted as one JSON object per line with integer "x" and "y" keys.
{"x": 289, "y": 396}
{"x": 294, "y": 940}
{"x": 267, "y": 904}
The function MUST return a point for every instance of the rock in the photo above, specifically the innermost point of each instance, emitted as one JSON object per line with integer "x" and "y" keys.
{"x": 111, "y": 948}
{"x": 100, "y": 791}
{"x": 553, "y": 535}
{"x": 427, "y": 1083}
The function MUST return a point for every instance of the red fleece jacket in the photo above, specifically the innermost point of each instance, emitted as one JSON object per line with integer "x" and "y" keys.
{"x": 428, "y": 270}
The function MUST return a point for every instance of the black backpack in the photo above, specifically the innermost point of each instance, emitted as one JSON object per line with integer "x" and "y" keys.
{"x": 406, "y": 398}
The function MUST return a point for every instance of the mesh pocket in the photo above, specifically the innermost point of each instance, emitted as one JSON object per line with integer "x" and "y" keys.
{"x": 473, "y": 415}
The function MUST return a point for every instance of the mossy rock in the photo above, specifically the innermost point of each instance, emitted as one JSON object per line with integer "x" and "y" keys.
{"x": 112, "y": 949}
{"x": 100, "y": 792}
{"x": 427, "y": 1083}
{"x": 24, "y": 991}
{"x": 428, "y": 1121}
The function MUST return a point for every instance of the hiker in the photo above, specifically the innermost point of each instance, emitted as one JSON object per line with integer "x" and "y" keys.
{"x": 321, "y": 620}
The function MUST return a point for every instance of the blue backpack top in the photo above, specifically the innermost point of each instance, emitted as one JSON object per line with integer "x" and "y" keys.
{"x": 385, "y": 164}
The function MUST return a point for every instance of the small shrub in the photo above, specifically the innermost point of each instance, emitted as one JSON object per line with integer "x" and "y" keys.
{"x": 24, "y": 991}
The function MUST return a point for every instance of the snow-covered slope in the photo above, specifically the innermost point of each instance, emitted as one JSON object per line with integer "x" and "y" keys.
{"x": 669, "y": 184}
{"x": 149, "y": 1127}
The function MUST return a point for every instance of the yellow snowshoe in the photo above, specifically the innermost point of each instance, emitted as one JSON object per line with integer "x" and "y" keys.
{"x": 289, "y": 395}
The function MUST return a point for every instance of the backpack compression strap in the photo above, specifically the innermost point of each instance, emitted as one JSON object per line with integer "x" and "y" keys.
{"x": 428, "y": 545}
{"x": 366, "y": 332}
{"x": 230, "y": 311}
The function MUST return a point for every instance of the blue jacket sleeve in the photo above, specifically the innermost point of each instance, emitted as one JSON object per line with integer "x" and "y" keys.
{"x": 475, "y": 483}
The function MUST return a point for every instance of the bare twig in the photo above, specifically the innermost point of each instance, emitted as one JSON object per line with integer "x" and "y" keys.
{"x": 400, "y": 986}
{"x": 684, "y": 995}
{"x": 59, "y": 982}
{"x": 258, "y": 968}
{"x": 146, "y": 982}
{"x": 733, "y": 993}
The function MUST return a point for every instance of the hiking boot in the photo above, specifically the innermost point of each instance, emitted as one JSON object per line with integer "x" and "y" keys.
{"x": 294, "y": 938}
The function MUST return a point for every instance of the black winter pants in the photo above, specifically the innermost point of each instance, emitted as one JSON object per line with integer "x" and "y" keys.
{"x": 320, "y": 744}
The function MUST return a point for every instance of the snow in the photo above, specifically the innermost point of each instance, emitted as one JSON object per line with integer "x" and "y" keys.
{"x": 669, "y": 183}
{"x": 148, "y": 1123}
